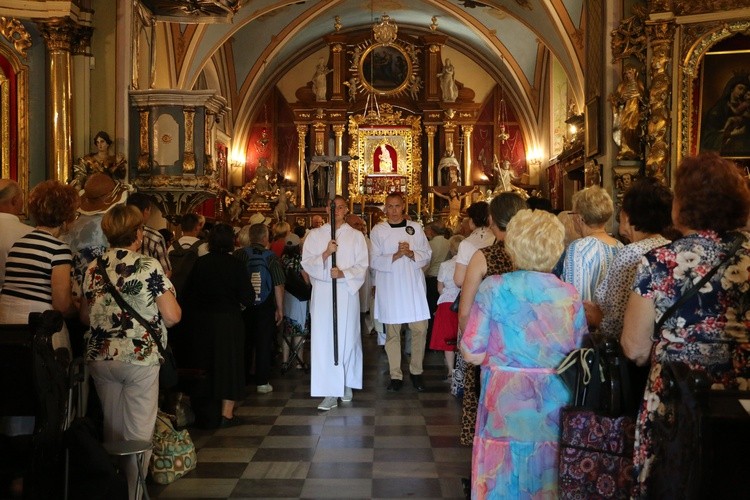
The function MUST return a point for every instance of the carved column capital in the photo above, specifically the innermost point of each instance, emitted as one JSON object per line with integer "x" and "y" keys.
{"x": 338, "y": 129}
{"x": 430, "y": 130}
{"x": 58, "y": 33}
{"x": 81, "y": 42}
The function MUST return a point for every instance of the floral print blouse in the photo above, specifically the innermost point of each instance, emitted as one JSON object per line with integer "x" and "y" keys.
{"x": 114, "y": 335}
{"x": 709, "y": 332}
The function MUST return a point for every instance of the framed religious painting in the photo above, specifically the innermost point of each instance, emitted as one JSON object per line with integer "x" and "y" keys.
{"x": 724, "y": 104}
{"x": 384, "y": 69}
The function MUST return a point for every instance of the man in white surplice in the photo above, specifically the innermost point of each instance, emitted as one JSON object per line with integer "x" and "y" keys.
{"x": 399, "y": 252}
{"x": 328, "y": 380}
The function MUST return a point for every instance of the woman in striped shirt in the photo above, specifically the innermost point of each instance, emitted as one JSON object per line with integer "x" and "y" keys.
{"x": 38, "y": 269}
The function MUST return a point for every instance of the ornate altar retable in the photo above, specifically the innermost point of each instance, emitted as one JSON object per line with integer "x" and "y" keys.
{"x": 389, "y": 157}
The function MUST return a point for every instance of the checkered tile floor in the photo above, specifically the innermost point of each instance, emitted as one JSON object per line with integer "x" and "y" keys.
{"x": 381, "y": 445}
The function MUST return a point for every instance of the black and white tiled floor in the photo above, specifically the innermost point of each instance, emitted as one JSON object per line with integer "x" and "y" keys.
{"x": 380, "y": 445}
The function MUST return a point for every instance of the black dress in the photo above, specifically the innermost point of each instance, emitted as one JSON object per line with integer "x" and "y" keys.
{"x": 212, "y": 322}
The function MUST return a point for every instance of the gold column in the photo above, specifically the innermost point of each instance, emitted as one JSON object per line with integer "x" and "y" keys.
{"x": 58, "y": 36}
{"x": 301, "y": 170}
{"x": 144, "y": 156}
{"x": 188, "y": 162}
{"x": 338, "y": 130}
{"x": 660, "y": 35}
{"x": 467, "y": 130}
{"x": 430, "y": 130}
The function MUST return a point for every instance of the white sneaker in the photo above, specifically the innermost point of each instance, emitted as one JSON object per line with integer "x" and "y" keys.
{"x": 328, "y": 403}
{"x": 347, "y": 395}
{"x": 264, "y": 389}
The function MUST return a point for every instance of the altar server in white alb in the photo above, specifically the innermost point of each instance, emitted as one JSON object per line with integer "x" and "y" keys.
{"x": 399, "y": 252}
{"x": 328, "y": 380}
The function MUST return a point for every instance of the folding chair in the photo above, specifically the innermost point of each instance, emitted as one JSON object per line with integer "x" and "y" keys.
{"x": 295, "y": 342}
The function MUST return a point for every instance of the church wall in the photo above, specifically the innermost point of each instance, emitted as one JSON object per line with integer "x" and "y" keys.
{"x": 469, "y": 73}
{"x": 300, "y": 74}
{"x": 103, "y": 72}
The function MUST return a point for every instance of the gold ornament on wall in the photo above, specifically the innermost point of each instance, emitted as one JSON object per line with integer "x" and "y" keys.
{"x": 16, "y": 33}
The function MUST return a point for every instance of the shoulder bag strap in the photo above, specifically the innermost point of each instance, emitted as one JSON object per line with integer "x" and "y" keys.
{"x": 155, "y": 335}
{"x": 736, "y": 244}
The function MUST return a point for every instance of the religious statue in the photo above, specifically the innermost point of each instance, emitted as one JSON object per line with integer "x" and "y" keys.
{"x": 386, "y": 163}
{"x": 319, "y": 80}
{"x": 454, "y": 205}
{"x": 282, "y": 205}
{"x": 505, "y": 179}
{"x": 264, "y": 181}
{"x": 352, "y": 86}
{"x": 99, "y": 161}
{"x": 627, "y": 111}
{"x": 448, "y": 85}
{"x": 449, "y": 167}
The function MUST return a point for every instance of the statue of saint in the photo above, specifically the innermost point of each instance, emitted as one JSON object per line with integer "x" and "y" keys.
{"x": 99, "y": 161}
{"x": 264, "y": 177}
{"x": 319, "y": 80}
{"x": 449, "y": 167}
{"x": 448, "y": 86}
{"x": 627, "y": 111}
{"x": 505, "y": 179}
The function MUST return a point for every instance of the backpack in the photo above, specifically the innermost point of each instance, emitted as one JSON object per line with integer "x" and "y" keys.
{"x": 260, "y": 273}
{"x": 182, "y": 261}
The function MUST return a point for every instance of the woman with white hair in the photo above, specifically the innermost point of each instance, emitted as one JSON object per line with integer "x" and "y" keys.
{"x": 520, "y": 328}
{"x": 588, "y": 258}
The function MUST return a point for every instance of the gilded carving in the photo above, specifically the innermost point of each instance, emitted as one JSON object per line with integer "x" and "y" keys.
{"x": 15, "y": 32}
{"x": 144, "y": 162}
{"x": 688, "y": 7}
{"x": 58, "y": 34}
{"x": 659, "y": 123}
{"x": 629, "y": 39}
{"x": 401, "y": 133}
{"x": 385, "y": 31}
{"x": 5, "y": 117}
{"x": 337, "y": 48}
{"x": 660, "y": 5}
{"x": 188, "y": 164}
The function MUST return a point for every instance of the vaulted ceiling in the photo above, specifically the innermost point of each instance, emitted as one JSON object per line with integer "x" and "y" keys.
{"x": 510, "y": 39}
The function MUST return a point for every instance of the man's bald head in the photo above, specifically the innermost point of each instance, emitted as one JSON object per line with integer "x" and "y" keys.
{"x": 356, "y": 222}
{"x": 11, "y": 197}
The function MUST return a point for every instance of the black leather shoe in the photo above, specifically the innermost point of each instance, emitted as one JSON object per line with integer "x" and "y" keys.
{"x": 229, "y": 422}
{"x": 395, "y": 385}
{"x": 418, "y": 382}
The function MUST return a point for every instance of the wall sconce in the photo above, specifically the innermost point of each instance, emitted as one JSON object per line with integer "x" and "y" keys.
{"x": 236, "y": 169}
{"x": 534, "y": 157}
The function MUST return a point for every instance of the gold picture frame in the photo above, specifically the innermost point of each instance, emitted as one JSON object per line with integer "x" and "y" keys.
{"x": 403, "y": 136}
{"x": 385, "y": 69}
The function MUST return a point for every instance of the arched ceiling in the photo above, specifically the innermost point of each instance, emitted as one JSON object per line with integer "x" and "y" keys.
{"x": 266, "y": 38}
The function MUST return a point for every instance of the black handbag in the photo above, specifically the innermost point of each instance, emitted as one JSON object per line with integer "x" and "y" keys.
{"x": 168, "y": 376}
{"x": 295, "y": 285}
{"x": 599, "y": 428}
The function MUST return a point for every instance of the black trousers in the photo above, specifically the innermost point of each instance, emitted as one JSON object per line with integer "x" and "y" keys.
{"x": 432, "y": 298}
{"x": 260, "y": 328}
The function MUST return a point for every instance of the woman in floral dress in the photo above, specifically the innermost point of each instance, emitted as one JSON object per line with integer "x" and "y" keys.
{"x": 521, "y": 327}
{"x": 710, "y": 331}
{"x": 122, "y": 355}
